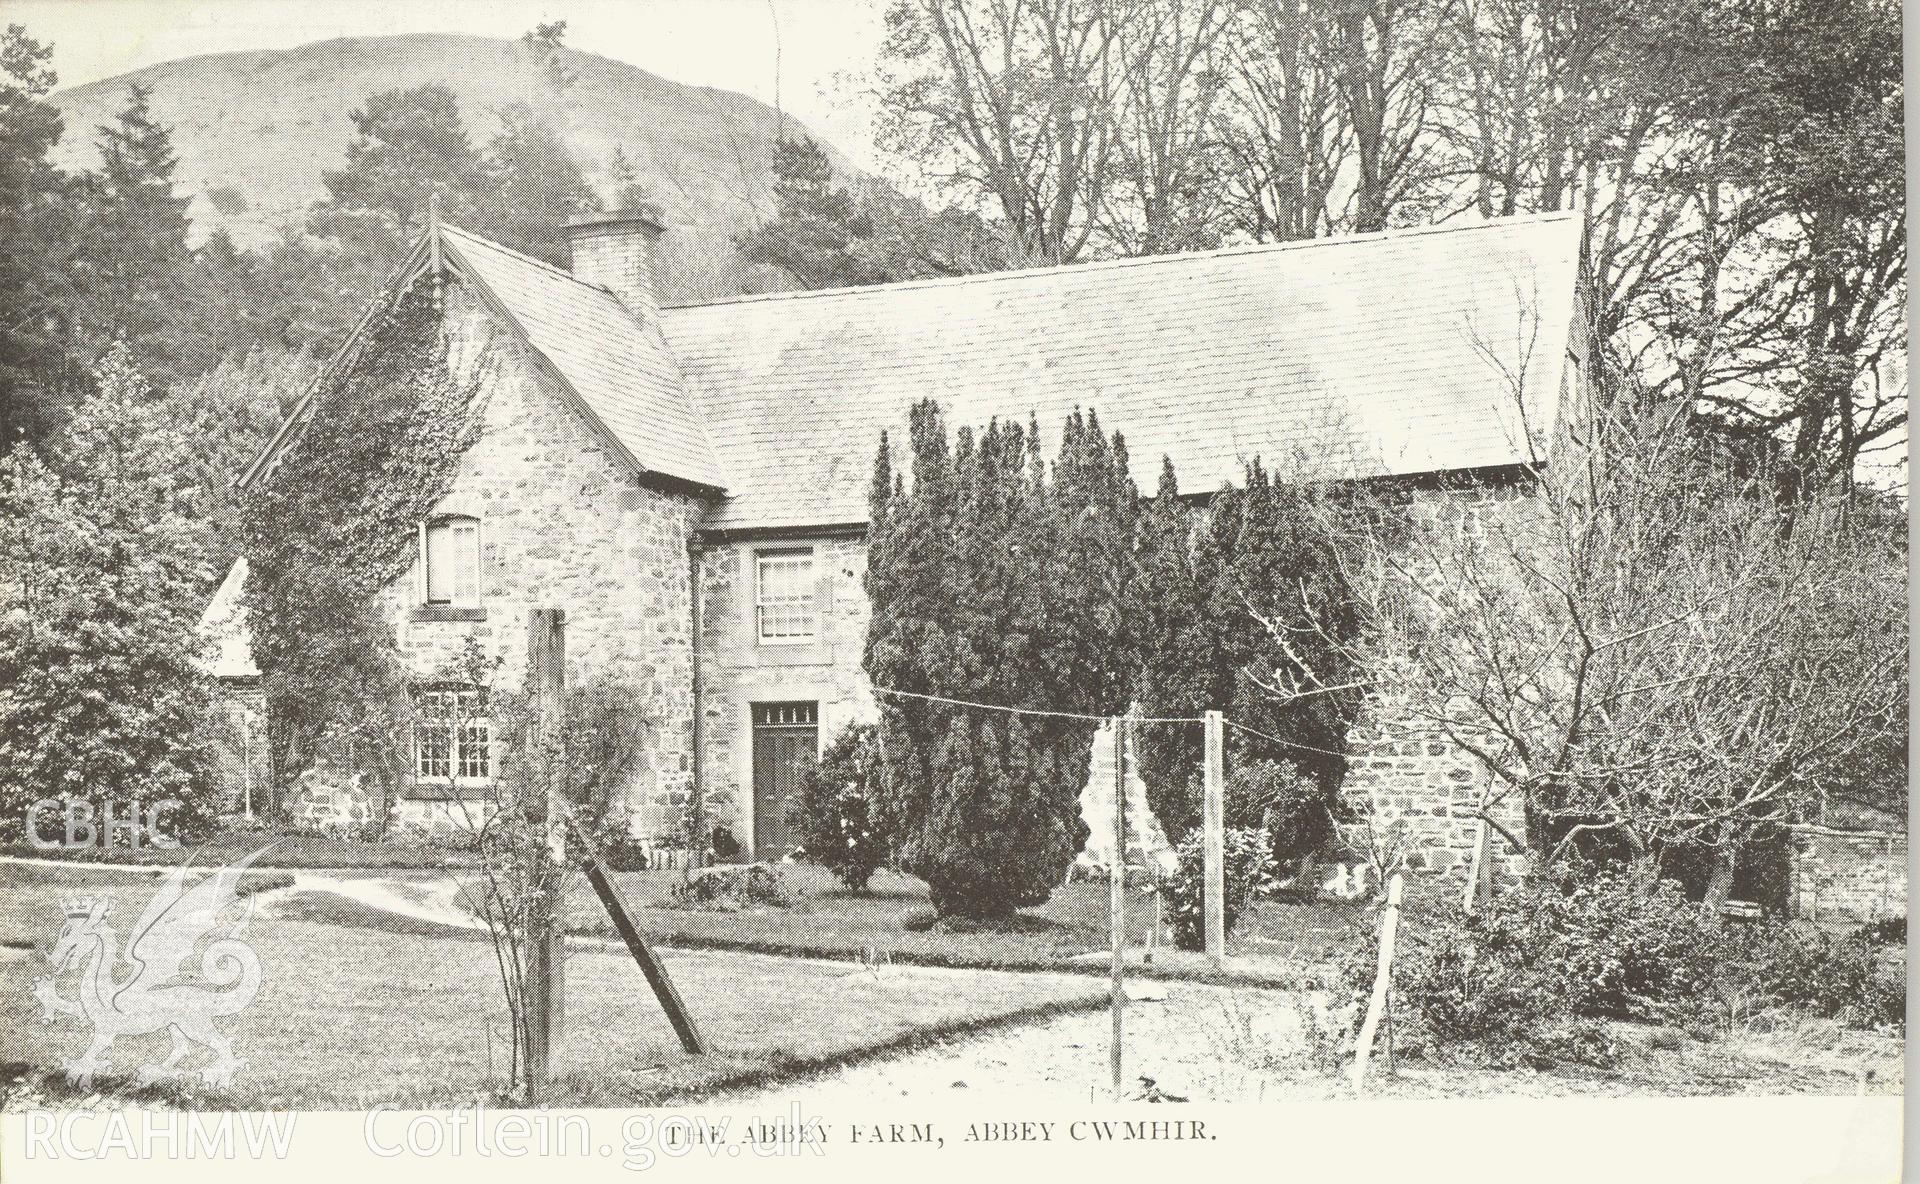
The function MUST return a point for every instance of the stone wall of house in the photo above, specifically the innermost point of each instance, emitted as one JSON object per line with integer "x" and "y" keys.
{"x": 1416, "y": 796}
{"x": 738, "y": 672}
{"x": 1855, "y": 875}
{"x": 564, "y": 524}
{"x": 1419, "y": 793}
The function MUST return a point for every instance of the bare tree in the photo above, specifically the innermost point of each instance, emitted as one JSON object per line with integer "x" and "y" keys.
{"x": 1644, "y": 649}
{"x": 1012, "y": 101}
{"x": 1334, "y": 113}
{"x": 1162, "y": 196}
{"x": 1285, "y": 136}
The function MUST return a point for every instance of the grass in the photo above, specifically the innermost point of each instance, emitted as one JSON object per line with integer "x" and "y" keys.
{"x": 351, "y": 1016}
{"x": 290, "y": 851}
{"x": 31, "y": 898}
{"x": 1277, "y": 944}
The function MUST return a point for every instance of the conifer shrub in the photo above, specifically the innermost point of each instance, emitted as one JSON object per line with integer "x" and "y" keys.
{"x": 997, "y": 580}
{"x": 1242, "y": 605}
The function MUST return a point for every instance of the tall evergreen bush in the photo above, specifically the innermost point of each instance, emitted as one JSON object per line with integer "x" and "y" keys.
{"x": 994, "y": 580}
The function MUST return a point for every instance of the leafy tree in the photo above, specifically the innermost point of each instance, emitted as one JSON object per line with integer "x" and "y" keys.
{"x": 535, "y": 185}
{"x": 100, "y": 696}
{"x": 225, "y": 416}
{"x": 37, "y": 380}
{"x": 410, "y": 145}
{"x": 994, "y": 582}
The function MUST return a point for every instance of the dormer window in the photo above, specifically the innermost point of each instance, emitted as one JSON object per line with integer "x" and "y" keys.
{"x": 450, "y": 559}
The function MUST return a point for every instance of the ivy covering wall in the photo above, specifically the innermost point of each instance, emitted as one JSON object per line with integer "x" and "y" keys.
{"x": 335, "y": 520}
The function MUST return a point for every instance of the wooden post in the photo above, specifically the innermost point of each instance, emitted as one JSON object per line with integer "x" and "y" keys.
{"x": 546, "y": 954}
{"x": 1117, "y": 898}
{"x": 1153, "y": 918}
{"x": 1382, "y": 981}
{"x": 1479, "y": 870}
{"x": 1213, "y": 823}
{"x": 650, "y": 964}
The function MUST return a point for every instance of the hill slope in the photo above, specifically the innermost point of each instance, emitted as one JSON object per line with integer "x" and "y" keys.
{"x": 255, "y": 130}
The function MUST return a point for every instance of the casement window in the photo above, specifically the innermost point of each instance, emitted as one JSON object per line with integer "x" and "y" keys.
{"x": 785, "y": 601}
{"x": 450, "y": 561}
{"x": 452, "y": 737}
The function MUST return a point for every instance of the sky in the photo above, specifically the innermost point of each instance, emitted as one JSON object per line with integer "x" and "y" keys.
{"x": 793, "y": 52}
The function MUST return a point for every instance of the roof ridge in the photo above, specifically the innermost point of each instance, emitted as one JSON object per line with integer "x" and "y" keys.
{"x": 1139, "y": 260}
{"x": 523, "y": 257}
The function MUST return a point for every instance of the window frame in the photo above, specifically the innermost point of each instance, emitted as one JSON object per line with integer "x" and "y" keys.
{"x": 810, "y": 599}
{"x": 425, "y": 588}
{"x": 460, "y": 732}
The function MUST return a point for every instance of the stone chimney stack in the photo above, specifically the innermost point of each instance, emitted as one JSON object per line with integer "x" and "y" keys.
{"x": 614, "y": 249}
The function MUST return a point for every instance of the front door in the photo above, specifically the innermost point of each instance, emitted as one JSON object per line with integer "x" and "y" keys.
{"x": 786, "y": 743}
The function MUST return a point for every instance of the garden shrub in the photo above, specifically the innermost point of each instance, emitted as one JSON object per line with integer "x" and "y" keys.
{"x": 1887, "y": 931}
{"x": 728, "y": 889}
{"x": 1248, "y": 872}
{"x": 1277, "y": 797}
{"x": 1459, "y": 995}
{"x": 834, "y": 815}
{"x": 1530, "y": 977}
{"x": 1622, "y": 948}
{"x": 1841, "y": 977}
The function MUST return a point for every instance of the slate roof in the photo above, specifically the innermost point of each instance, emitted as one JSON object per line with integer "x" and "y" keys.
{"x": 1393, "y": 353}
{"x": 618, "y": 365}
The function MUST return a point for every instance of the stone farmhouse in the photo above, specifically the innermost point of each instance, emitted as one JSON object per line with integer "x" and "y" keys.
{"x": 689, "y": 483}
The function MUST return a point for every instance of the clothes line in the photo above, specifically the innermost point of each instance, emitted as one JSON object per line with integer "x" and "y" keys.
{"x": 1230, "y": 722}
{"x": 1131, "y": 719}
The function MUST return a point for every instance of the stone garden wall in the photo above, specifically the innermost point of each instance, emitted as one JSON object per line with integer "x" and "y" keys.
{"x": 1854, "y": 875}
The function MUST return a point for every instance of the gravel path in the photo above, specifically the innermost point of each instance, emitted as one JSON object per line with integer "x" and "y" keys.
{"x": 1194, "y": 1041}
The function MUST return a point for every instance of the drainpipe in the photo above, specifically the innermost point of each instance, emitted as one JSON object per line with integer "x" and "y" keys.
{"x": 697, "y": 847}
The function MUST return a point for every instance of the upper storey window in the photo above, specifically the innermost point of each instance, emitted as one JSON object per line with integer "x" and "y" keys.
{"x": 451, "y": 547}
{"x": 784, "y": 601}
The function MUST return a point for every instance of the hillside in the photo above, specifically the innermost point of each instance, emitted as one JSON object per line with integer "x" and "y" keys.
{"x": 255, "y": 130}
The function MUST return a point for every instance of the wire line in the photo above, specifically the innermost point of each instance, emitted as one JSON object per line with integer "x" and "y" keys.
{"x": 1231, "y": 722}
{"x": 1132, "y": 719}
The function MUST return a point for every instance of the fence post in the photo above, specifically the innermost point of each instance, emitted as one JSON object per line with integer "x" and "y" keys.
{"x": 546, "y": 954}
{"x": 1117, "y": 897}
{"x": 1382, "y": 982}
{"x": 1213, "y": 824}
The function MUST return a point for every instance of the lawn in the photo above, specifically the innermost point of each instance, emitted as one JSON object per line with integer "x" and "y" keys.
{"x": 290, "y": 850}
{"x": 1279, "y": 943}
{"x": 351, "y": 1016}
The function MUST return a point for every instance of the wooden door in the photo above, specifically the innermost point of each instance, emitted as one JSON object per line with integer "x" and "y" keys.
{"x": 786, "y": 743}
